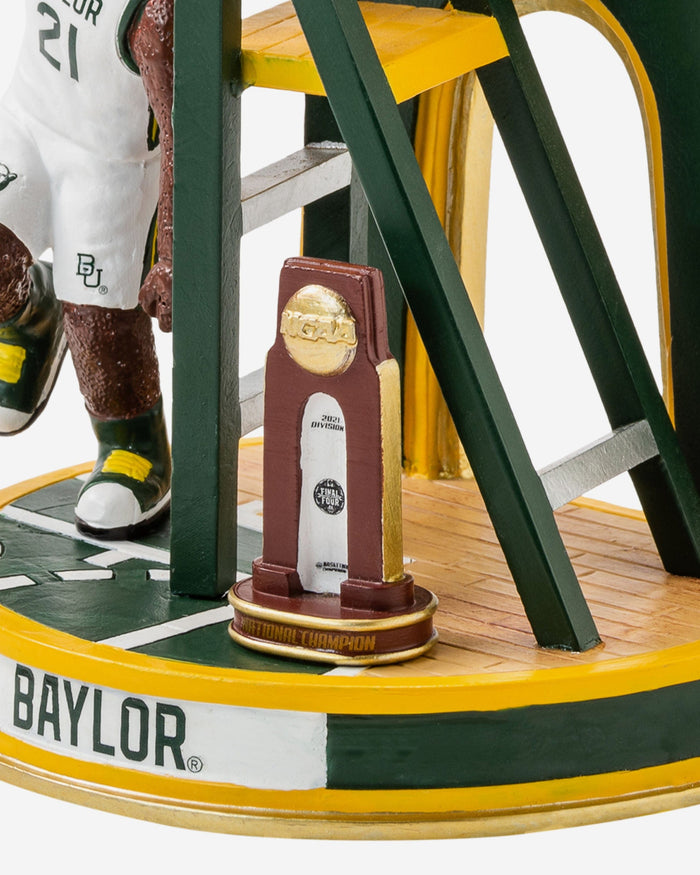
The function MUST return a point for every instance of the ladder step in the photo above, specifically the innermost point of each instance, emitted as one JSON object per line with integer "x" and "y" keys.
{"x": 297, "y": 180}
{"x": 419, "y": 47}
{"x": 251, "y": 400}
{"x": 598, "y": 462}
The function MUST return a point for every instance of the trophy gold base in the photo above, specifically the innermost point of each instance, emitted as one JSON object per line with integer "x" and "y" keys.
{"x": 315, "y": 627}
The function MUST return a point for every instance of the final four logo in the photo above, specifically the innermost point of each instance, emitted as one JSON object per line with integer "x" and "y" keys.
{"x": 329, "y": 496}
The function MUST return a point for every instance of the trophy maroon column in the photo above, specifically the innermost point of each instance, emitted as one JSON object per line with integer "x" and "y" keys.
{"x": 330, "y": 584}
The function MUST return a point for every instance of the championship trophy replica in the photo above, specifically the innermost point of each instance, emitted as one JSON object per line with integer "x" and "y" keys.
{"x": 330, "y": 585}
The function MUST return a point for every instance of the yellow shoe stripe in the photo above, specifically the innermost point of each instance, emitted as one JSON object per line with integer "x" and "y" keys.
{"x": 11, "y": 361}
{"x": 126, "y": 463}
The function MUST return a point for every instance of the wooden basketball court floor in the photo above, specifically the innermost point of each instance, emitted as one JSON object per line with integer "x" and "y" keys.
{"x": 453, "y": 551}
{"x": 450, "y": 548}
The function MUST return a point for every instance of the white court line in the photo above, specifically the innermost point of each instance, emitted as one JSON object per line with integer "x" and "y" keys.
{"x": 141, "y": 637}
{"x": 127, "y": 549}
{"x": 108, "y": 558}
{"x": 149, "y": 635}
{"x": 68, "y": 530}
{"x": 86, "y": 574}
{"x": 348, "y": 671}
{"x": 15, "y": 581}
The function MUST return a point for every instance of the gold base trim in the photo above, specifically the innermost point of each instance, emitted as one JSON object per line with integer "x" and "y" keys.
{"x": 312, "y": 655}
{"x": 308, "y": 621}
{"x": 361, "y": 641}
{"x": 352, "y": 825}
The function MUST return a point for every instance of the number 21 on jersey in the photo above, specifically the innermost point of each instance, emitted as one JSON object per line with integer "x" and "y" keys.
{"x": 52, "y": 41}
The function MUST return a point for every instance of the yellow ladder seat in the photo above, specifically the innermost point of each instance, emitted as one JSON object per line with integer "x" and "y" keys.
{"x": 419, "y": 48}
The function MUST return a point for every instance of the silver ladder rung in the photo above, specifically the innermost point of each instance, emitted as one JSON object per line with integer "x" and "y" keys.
{"x": 251, "y": 394}
{"x": 598, "y": 462}
{"x": 297, "y": 180}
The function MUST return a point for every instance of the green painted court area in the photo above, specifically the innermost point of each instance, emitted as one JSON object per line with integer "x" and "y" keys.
{"x": 117, "y": 593}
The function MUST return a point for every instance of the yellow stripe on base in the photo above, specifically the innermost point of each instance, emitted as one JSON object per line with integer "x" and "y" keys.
{"x": 46, "y": 649}
{"x": 352, "y": 814}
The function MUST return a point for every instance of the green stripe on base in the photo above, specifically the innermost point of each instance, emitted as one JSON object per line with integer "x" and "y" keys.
{"x": 515, "y": 746}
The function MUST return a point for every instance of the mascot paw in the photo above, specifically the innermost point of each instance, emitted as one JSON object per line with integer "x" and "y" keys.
{"x": 156, "y": 294}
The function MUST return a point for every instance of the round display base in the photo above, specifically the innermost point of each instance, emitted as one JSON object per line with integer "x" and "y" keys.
{"x": 317, "y": 628}
{"x": 120, "y": 695}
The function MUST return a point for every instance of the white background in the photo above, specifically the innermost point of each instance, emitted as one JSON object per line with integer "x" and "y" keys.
{"x": 552, "y": 398}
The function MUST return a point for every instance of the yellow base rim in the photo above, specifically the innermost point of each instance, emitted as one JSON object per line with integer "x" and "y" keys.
{"x": 311, "y": 823}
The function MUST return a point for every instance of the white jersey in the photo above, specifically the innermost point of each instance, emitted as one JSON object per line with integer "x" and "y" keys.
{"x": 73, "y": 77}
{"x": 78, "y": 167}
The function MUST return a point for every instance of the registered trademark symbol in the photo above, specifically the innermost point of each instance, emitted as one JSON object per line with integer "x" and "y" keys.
{"x": 195, "y": 764}
{"x": 103, "y": 290}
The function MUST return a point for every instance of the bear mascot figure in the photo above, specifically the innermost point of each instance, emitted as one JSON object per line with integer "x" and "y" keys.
{"x": 86, "y": 170}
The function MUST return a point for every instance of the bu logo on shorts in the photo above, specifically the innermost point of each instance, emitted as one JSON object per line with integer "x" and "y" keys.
{"x": 92, "y": 275}
{"x": 6, "y": 176}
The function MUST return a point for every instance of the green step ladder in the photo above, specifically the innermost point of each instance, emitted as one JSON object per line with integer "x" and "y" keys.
{"x": 519, "y": 500}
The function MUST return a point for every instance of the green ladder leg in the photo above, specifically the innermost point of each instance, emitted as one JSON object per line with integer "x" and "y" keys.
{"x": 206, "y": 420}
{"x": 384, "y": 159}
{"x": 340, "y": 227}
{"x": 591, "y": 292}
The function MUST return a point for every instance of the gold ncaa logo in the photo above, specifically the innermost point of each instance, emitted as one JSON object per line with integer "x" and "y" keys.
{"x": 319, "y": 331}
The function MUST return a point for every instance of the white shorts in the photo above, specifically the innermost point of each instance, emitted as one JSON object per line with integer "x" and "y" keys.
{"x": 95, "y": 214}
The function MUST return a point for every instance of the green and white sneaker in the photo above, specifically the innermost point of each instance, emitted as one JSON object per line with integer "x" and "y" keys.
{"x": 128, "y": 491}
{"x": 32, "y": 348}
